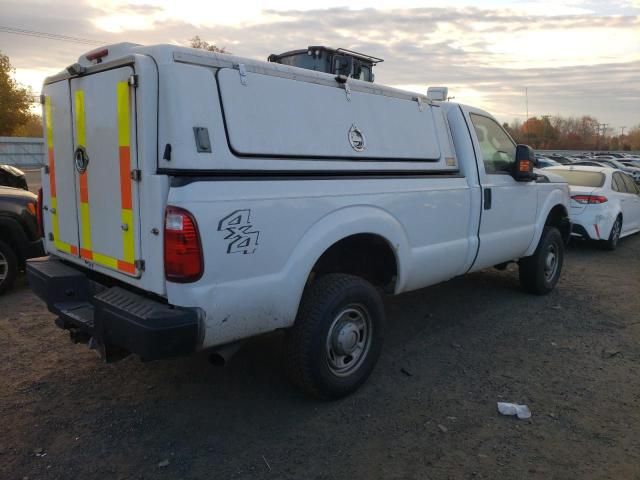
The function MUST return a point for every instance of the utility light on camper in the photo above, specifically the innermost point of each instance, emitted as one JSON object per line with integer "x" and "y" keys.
{"x": 97, "y": 54}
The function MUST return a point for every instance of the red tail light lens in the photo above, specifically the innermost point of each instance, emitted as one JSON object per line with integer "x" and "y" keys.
{"x": 39, "y": 214}
{"x": 182, "y": 248}
{"x": 589, "y": 199}
{"x": 97, "y": 54}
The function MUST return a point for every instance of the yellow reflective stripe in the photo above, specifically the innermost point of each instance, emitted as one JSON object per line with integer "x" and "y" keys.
{"x": 123, "y": 114}
{"x": 81, "y": 132}
{"x": 49, "y": 121}
{"x": 60, "y": 245}
{"x": 126, "y": 185}
{"x": 81, "y": 140}
{"x": 54, "y": 220}
{"x": 85, "y": 220}
{"x": 127, "y": 236}
{"x": 105, "y": 260}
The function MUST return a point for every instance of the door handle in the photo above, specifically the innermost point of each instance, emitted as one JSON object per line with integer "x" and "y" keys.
{"x": 487, "y": 198}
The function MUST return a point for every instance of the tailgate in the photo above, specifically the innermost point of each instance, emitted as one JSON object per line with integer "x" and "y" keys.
{"x": 91, "y": 139}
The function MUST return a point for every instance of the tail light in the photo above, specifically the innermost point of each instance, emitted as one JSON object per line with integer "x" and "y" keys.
{"x": 589, "y": 199}
{"x": 97, "y": 54}
{"x": 182, "y": 248}
{"x": 39, "y": 214}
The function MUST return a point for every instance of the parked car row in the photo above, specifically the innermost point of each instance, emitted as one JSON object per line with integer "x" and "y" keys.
{"x": 626, "y": 162}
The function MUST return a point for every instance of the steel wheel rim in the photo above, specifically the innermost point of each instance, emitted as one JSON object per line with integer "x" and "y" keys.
{"x": 551, "y": 262}
{"x": 4, "y": 267}
{"x": 348, "y": 340}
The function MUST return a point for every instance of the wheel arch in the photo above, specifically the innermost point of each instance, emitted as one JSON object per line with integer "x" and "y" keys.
{"x": 11, "y": 233}
{"x": 555, "y": 212}
{"x": 343, "y": 231}
{"x": 558, "y": 217}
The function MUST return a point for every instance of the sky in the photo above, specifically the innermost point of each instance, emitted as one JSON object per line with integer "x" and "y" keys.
{"x": 573, "y": 58}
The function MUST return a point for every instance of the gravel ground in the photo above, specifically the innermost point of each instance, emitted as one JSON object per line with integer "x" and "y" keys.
{"x": 428, "y": 411}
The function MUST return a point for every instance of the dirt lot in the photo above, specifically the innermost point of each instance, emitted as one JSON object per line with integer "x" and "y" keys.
{"x": 428, "y": 411}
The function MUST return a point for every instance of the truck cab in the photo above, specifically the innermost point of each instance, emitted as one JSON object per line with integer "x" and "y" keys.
{"x": 195, "y": 199}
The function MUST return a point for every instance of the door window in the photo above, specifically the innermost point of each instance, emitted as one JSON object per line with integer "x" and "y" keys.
{"x": 629, "y": 184}
{"x": 497, "y": 148}
{"x": 617, "y": 184}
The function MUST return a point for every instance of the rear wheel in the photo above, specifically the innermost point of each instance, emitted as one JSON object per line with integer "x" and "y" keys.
{"x": 337, "y": 337}
{"x": 540, "y": 272}
{"x": 614, "y": 236}
{"x": 8, "y": 266}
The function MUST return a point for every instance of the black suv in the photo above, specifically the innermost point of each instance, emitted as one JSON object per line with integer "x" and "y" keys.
{"x": 19, "y": 233}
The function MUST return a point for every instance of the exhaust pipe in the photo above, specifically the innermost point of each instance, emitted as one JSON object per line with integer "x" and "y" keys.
{"x": 221, "y": 356}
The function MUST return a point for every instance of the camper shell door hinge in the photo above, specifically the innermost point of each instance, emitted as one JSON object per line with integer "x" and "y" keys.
{"x": 423, "y": 103}
{"x": 136, "y": 175}
{"x": 133, "y": 80}
{"x": 242, "y": 69}
{"x": 344, "y": 81}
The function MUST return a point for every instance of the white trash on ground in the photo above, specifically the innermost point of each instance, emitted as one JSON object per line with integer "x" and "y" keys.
{"x": 521, "y": 411}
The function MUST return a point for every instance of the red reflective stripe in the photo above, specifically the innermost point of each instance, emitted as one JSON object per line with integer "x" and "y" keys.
{"x": 74, "y": 249}
{"x": 52, "y": 173}
{"x": 126, "y": 267}
{"x": 84, "y": 188}
{"x": 88, "y": 254}
{"x": 125, "y": 178}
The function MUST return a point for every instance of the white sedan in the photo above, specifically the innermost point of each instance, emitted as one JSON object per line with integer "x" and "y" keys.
{"x": 605, "y": 203}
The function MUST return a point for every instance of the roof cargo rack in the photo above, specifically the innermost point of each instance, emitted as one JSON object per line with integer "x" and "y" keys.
{"x": 340, "y": 61}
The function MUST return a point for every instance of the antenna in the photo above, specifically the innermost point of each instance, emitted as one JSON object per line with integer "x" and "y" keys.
{"x": 526, "y": 99}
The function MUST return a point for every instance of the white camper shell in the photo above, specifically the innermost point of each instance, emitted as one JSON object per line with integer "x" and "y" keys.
{"x": 278, "y": 181}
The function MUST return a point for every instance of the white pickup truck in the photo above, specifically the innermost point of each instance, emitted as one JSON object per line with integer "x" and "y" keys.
{"x": 192, "y": 200}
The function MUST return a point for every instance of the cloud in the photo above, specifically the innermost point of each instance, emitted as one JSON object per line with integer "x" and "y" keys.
{"x": 569, "y": 63}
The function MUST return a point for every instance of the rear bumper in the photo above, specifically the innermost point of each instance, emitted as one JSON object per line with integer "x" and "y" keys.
{"x": 593, "y": 224}
{"x": 580, "y": 231}
{"x": 113, "y": 320}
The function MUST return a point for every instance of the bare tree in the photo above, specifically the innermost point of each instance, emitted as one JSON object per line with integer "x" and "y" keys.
{"x": 197, "y": 42}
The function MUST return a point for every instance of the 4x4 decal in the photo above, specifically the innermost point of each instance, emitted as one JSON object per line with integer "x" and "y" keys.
{"x": 239, "y": 231}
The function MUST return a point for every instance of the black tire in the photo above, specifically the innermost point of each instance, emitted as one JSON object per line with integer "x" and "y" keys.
{"x": 540, "y": 272}
{"x": 333, "y": 304}
{"x": 8, "y": 267}
{"x": 614, "y": 236}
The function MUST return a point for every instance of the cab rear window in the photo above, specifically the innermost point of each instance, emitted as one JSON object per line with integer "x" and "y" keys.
{"x": 580, "y": 178}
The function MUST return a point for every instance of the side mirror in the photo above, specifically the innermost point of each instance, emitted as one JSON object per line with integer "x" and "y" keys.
{"x": 525, "y": 161}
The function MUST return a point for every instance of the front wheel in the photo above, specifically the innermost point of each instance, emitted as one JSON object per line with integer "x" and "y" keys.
{"x": 337, "y": 337}
{"x": 540, "y": 272}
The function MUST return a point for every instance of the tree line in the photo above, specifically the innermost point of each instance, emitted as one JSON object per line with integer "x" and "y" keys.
{"x": 572, "y": 133}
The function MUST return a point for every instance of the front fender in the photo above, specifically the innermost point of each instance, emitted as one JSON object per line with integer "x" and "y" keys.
{"x": 557, "y": 196}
